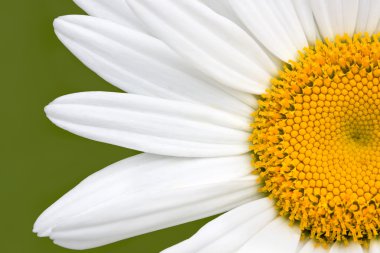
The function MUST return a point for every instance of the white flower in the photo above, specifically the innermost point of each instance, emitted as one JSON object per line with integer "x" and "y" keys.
{"x": 194, "y": 71}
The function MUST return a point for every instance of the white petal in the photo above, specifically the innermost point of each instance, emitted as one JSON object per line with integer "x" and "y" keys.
{"x": 310, "y": 247}
{"x": 364, "y": 9}
{"x": 151, "y": 125}
{"x": 114, "y": 10}
{"x": 276, "y": 237}
{"x": 227, "y": 233}
{"x": 244, "y": 97}
{"x": 140, "y": 64}
{"x": 369, "y": 16}
{"x": 321, "y": 14}
{"x": 275, "y": 24}
{"x": 306, "y": 18}
{"x": 374, "y": 246}
{"x": 335, "y": 17}
{"x": 350, "y": 15}
{"x": 222, "y": 7}
{"x": 373, "y": 17}
{"x": 209, "y": 41}
{"x": 351, "y": 248}
{"x": 146, "y": 193}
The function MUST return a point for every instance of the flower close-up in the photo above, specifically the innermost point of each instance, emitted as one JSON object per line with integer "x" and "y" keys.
{"x": 264, "y": 111}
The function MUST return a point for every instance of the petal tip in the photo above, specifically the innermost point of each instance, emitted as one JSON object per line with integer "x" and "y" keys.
{"x": 48, "y": 110}
{"x": 41, "y": 230}
{"x": 59, "y": 23}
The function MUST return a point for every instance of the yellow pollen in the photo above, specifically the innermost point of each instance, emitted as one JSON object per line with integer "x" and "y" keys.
{"x": 316, "y": 140}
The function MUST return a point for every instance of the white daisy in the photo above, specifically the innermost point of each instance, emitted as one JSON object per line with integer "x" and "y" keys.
{"x": 195, "y": 72}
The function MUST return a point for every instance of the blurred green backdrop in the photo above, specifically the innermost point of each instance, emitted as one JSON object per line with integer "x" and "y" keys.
{"x": 41, "y": 162}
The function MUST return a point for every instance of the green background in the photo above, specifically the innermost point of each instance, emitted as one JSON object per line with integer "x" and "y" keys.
{"x": 41, "y": 162}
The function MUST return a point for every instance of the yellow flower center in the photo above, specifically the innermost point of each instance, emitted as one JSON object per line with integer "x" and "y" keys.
{"x": 316, "y": 140}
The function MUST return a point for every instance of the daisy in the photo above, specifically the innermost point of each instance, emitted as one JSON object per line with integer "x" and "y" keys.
{"x": 268, "y": 109}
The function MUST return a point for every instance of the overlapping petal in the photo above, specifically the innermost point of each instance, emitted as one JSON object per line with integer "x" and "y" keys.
{"x": 209, "y": 41}
{"x": 310, "y": 247}
{"x": 229, "y": 232}
{"x": 146, "y": 193}
{"x": 335, "y": 17}
{"x": 272, "y": 21}
{"x": 286, "y": 242}
{"x": 368, "y": 16}
{"x": 113, "y": 10}
{"x": 223, "y": 8}
{"x": 374, "y": 246}
{"x": 306, "y": 17}
{"x": 249, "y": 228}
{"x": 140, "y": 64}
{"x": 351, "y": 248}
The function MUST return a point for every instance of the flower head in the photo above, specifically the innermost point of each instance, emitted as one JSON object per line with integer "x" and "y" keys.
{"x": 266, "y": 108}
